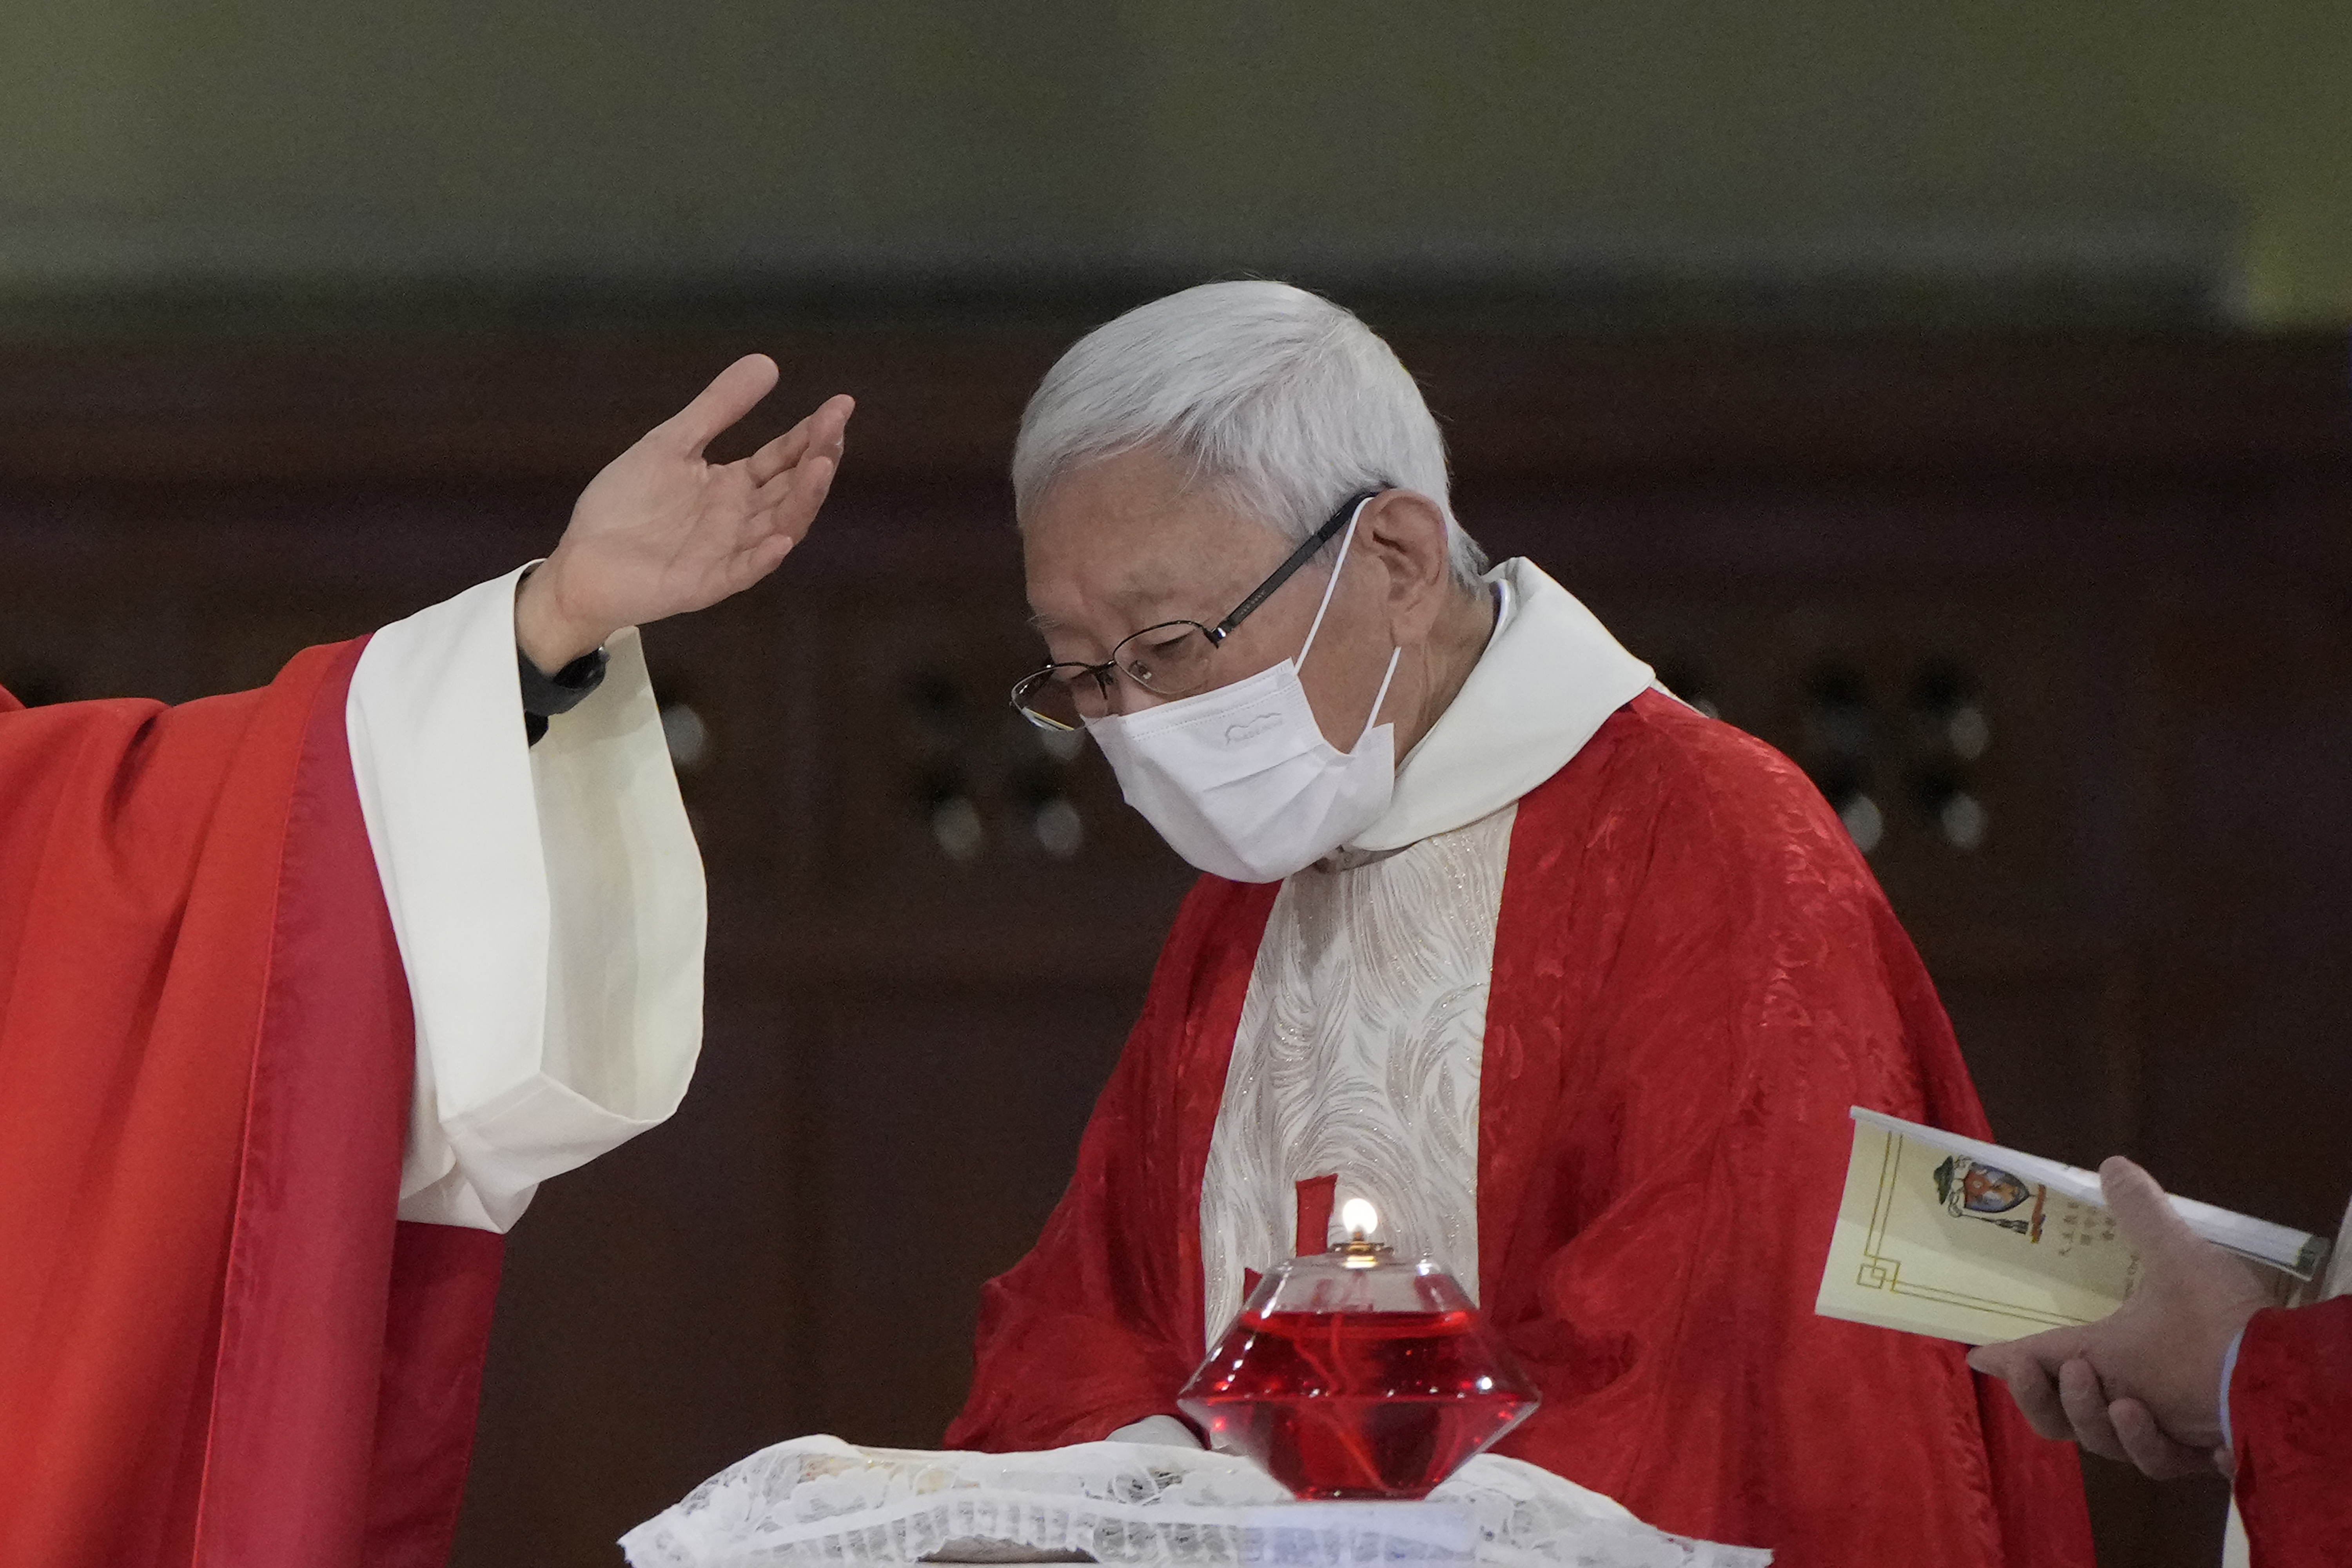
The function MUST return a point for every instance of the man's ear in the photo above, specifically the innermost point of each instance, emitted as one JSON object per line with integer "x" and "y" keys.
{"x": 1408, "y": 535}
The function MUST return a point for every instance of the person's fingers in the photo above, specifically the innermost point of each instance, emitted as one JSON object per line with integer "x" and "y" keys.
{"x": 2086, "y": 1409}
{"x": 733, "y": 393}
{"x": 2030, "y": 1366}
{"x": 2001, "y": 1361}
{"x": 776, "y": 529}
{"x": 780, "y": 518}
{"x": 2141, "y": 1210}
{"x": 2035, "y": 1392}
{"x": 790, "y": 501}
{"x": 761, "y": 558}
{"x": 2146, "y": 1446}
{"x": 779, "y": 456}
{"x": 2046, "y": 1351}
{"x": 801, "y": 479}
{"x": 821, "y": 431}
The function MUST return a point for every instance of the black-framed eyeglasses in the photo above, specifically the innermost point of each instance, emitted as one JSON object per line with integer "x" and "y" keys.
{"x": 1172, "y": 659}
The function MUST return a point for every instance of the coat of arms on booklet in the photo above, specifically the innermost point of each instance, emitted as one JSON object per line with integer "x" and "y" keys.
{"x": 1943, "y": 1235}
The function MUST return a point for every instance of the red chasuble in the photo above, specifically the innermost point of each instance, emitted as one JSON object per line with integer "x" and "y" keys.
{"x": 2291, "y": 1414}
{"x": 1695, "y": 976}
{"x": 219, "y": 1347}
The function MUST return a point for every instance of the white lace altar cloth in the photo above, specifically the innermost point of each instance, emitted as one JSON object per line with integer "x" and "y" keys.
{"x": 817, "y": 1502}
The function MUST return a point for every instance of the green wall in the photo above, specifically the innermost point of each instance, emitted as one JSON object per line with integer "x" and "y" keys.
{"x": 149, "y": 141}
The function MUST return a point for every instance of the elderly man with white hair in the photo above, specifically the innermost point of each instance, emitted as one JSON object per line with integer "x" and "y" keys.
{"x": 1573, "y": 983}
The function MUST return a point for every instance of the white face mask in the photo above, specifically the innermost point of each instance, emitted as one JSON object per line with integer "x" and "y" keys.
{"x": 1240, "y": 781}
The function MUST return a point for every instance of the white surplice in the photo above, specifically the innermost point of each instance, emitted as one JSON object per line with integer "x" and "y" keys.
{"x": 547, "y": 902}
{"x": 1363, "y": 1029}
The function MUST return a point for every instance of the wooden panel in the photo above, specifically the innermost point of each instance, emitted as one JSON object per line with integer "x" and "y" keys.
{"x": 2250, "y": 995}
{"x": 2051, "y": 1051}
{"x": 946, "y": 1119}
{"x": 649, "y": 1329}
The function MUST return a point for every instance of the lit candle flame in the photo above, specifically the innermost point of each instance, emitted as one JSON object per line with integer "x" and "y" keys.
{"x": 1358, "y": 1219}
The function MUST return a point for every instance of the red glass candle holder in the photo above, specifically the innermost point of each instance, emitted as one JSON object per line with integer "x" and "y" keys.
{"x": 1350, "y": 1374}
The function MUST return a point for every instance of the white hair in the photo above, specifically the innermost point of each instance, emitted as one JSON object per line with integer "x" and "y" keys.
{"x": 1284, "y": 402}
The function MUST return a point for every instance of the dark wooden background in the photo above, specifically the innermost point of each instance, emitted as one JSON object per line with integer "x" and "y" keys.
{"x": 2128, "y": 553}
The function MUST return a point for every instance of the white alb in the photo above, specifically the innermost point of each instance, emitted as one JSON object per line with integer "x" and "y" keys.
{"x": 547, "y": 902}
{"x": 1357, "y": 1055}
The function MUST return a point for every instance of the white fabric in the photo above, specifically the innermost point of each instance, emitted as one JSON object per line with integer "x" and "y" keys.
{"x": 817, "y": 1502}
{"x": 1241, "y": 783}
{"x": 1161, "y": 1431}
{"x": 1551, "y": 675}
{"x": 1363, "y": 1030}
{"x": 1240, "y": 780}
{"x": 2236, "y": 1550}
{"x": 1359, "y": 1054}
{"x": 547, "y": 902}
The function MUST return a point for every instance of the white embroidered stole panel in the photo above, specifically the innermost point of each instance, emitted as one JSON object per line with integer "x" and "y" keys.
{"x": 1358, "y": 1052}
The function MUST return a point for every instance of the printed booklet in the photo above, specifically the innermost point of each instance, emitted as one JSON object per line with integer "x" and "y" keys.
{"x": 1943, "y": 1235}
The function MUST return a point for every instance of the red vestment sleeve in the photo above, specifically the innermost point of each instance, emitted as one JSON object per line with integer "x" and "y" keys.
{"x": 2291, "y": 1416}
{"x": 217, "y": 1344}
{"x": 1695, "y": 975}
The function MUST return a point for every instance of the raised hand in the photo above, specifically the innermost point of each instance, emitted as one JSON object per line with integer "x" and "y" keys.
{"x": 661, "y": 531}
{"x": 2143, "y": 1384}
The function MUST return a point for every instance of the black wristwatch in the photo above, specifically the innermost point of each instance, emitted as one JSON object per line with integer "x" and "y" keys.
{"x": 545, "y": 695}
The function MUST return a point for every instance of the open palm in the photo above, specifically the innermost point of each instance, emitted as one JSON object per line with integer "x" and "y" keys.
{"x": 662, "y": 531}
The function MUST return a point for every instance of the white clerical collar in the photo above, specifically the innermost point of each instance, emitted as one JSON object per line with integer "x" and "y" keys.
{"x": 1550, "y": 676}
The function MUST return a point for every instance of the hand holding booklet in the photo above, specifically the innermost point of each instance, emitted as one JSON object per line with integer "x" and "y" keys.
{"x": 1949, "y": 1236}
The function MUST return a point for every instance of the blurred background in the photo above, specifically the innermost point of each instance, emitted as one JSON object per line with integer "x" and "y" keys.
{"x": 1954, "y": 395}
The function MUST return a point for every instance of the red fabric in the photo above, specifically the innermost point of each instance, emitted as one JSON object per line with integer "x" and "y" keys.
{"x": 213, "y": 1332}
{"x": 1316, "y": 1196}
{"x": 2290, "y": 1414}
{"x": 1695, "y": 975}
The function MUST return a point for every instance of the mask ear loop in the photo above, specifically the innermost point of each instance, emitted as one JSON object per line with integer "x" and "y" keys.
{"x": 1346, "y": 540}
{"x": 1372, "y": 718}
